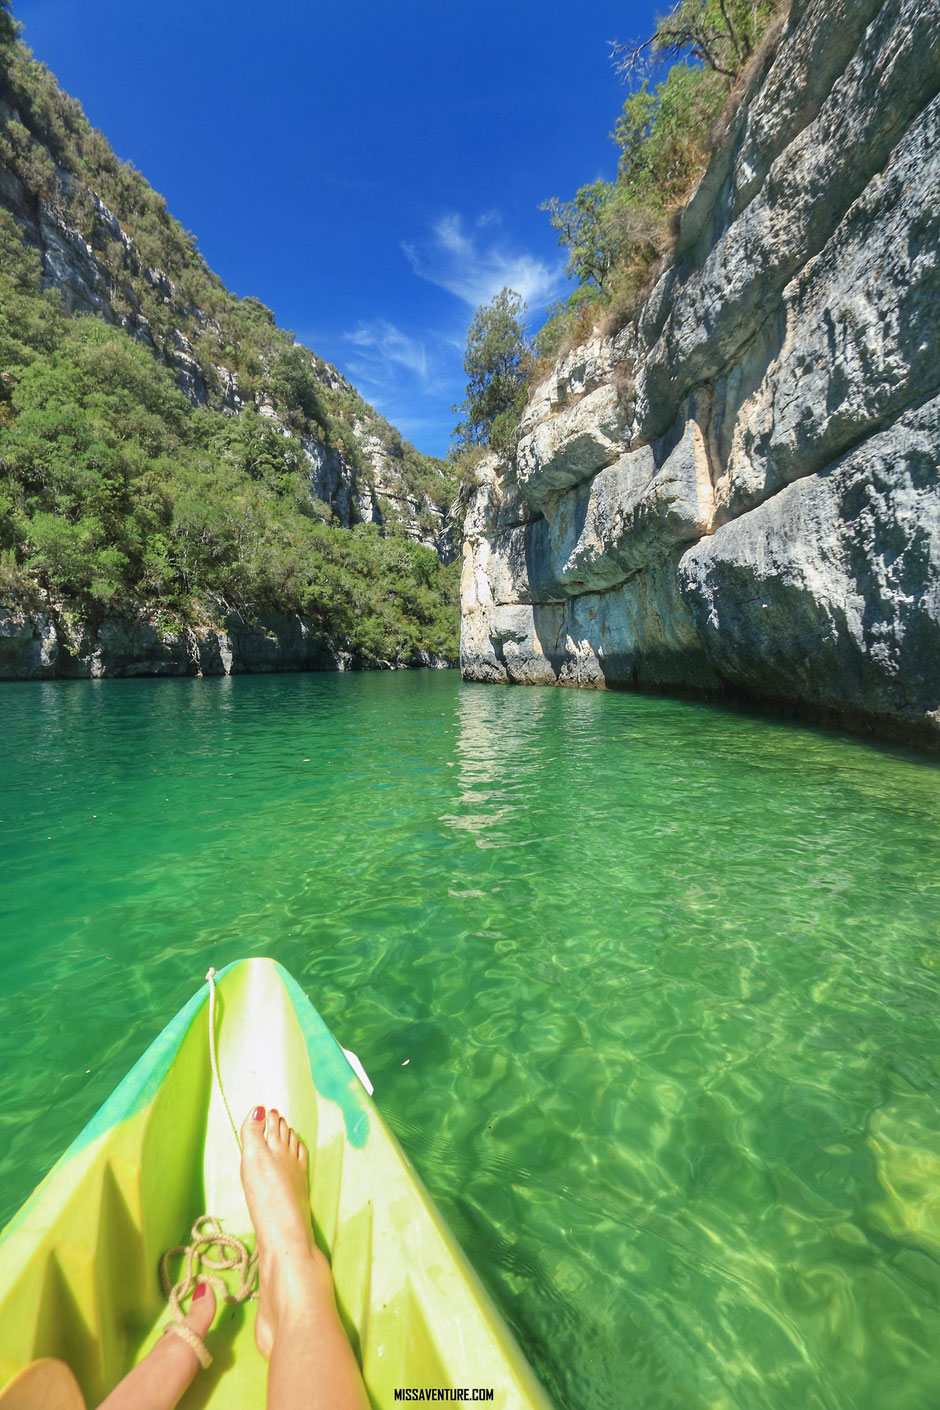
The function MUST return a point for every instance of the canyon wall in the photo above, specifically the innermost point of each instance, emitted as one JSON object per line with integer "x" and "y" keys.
{"x": 105, "y": 274}
{"x": 37, "y": 644}
{"x": 739, "y": 494}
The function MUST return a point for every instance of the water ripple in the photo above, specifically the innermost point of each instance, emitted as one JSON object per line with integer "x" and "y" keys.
{"x": 648, "y": 992}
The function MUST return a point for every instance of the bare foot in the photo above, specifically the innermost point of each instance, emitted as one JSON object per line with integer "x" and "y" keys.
{"x": 292, "y": 1271}
{"x": 168, "y": 1370}
{"x": 311, "y": 1365}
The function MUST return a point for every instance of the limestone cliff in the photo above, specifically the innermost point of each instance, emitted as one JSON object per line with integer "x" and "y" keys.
{"x": 739, "y": 494}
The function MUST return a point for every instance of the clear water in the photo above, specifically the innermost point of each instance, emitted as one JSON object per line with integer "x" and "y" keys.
{"x": 665, "y": 979}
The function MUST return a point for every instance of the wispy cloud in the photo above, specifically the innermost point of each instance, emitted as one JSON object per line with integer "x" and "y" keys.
{"x": 413, "y": 372}
{"x": 387, "y": 343}
{"x": 475, "y": 263}
{"x": 412, "y": 378}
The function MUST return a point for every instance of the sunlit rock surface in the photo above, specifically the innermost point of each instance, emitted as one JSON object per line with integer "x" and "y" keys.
{"x": 741, "y": 495}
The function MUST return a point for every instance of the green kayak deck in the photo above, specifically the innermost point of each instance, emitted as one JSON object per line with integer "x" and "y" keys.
{"x": 78, "y": 1263}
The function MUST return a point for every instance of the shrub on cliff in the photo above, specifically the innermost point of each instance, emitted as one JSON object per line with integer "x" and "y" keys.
{"x": 719, "y": 34}
{"x": 7, "y": 32}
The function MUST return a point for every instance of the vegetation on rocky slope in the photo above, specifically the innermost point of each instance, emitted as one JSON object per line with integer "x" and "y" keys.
{"x": 617, "y": 232}
{"x": 115, "y": 490}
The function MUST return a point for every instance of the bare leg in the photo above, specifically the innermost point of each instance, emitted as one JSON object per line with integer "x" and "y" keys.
{"x": 312, "y": 1366}
{"x": 168, "y": 1370}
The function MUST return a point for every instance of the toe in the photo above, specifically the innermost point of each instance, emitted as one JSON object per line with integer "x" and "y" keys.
{"x": 302, "y": 1154}
{"x": 253, "y": 1128}
{"x": 172, "y": 1364}
{"x": 292, "y": 1141}
{"x": 201, "y": 1309}
{"x": 272, "y": 1125}
{"x": 283, "y": 1131}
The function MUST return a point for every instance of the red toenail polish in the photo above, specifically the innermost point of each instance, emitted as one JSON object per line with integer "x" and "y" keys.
{"x": 258, "y": 1114}
{"x": 200, "y": 1291}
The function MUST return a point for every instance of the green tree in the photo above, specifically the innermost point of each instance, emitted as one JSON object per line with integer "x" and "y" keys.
{"x": 7, "y": 24}
{"x": 497, "y": 363}
{"x": 30, "y": 319}
{"x": 721, "y": 34}
{"x": 582, "y": 229}
{"x": 611, "y": 238}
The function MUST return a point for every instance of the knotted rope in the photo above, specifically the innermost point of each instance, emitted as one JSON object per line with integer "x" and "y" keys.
{"x": 210, "y": 1250}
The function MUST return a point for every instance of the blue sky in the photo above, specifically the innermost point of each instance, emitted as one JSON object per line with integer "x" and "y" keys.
{"x": 371, "y": 171}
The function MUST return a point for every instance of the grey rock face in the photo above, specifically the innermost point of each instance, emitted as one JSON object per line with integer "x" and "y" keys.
{"x": 570, "y": 446}
{"x": 831, "y": 589}
{"x": 330, "y": 480}
{"x": 29, "y": 645}
{"x": 742, "y": 494}
{"x": 386, "y": 499}
{"x": 44, "y": 645}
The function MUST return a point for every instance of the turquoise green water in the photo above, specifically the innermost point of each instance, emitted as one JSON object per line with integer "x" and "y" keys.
{"x": 665, "y": 980}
